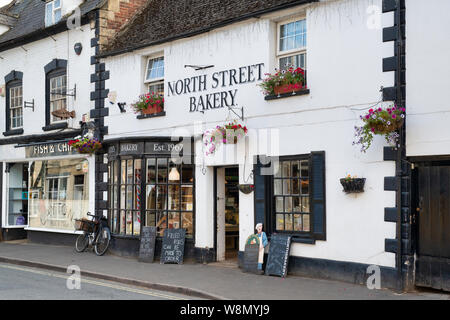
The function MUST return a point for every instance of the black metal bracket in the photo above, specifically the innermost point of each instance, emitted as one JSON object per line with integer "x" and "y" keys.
{"x": 241, "y": 117}
{"x": 73, "y": 93}
{"x": 122, "y": 106}
{"x": 196, "y": 68}
{"x": 27, "y": 104}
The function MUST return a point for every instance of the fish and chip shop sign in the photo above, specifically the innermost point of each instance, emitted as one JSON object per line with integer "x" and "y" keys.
{"x": 49, "y": 150}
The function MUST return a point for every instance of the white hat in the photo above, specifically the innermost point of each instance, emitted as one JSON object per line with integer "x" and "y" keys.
{"x": 259, "y": 224}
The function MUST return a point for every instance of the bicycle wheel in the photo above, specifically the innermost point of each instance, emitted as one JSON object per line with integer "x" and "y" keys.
{"x": 102, "y": 243}
{"x": 82, "y": 242}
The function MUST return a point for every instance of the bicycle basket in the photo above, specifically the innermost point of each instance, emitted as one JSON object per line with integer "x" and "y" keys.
{"x": 83, "y": 225}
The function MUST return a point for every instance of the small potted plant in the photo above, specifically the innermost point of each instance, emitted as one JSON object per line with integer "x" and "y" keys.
{"x": 284, "y": 81}
{"x": 226, "y": 134}
{"x": 379, "y": 121}
{"x": 353, "y": 184}
{"x": 86, "y": 144}
{"x": 149, "y": 103}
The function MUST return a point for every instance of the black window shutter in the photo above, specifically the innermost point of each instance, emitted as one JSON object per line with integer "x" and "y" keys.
{"x": 318, "y": 194}
{"x": 262, "y": 189}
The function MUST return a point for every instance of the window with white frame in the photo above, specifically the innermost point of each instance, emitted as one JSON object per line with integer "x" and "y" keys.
{"x": 16, "y": 107}
{"x": 52, "y": 12}
{"x": 154, "y": 75}
{"x": 292, "y": 44}
{"x": 58, "y": 101}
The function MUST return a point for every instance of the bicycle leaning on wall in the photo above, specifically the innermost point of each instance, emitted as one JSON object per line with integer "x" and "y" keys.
{"x": 95, "y": 233}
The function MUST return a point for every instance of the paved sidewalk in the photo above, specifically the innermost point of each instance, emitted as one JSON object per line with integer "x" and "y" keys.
{"x": 196, "y": 279}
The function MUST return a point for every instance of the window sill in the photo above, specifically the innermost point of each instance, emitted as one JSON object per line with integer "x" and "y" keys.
{"x": 153, "y": 115}
{"x": 55, "y": 126}
{"x": 295, "y": 238}
{"x": 286, "y": 95}
{"x": 13, "y": 132}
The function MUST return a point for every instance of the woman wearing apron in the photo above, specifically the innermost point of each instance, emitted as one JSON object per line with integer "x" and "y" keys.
{"x": 262, "y": 244}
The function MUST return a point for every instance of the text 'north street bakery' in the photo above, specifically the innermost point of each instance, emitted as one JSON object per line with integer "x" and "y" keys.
{"x": 221, "y": 79}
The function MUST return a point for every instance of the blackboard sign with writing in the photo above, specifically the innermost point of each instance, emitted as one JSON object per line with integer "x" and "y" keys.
{"x": 251, "y": 255}
{"x": 277, "y": 262}
{"x": 147, "y": 248}
{"x": 173, "y": 246}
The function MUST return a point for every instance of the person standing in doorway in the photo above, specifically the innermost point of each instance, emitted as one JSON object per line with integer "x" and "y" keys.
{"x": 262, "y": 244}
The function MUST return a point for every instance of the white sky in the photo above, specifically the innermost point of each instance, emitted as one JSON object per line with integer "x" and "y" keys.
{"x": 4, "y": 2}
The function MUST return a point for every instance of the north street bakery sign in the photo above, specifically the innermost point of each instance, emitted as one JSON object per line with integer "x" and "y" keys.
{"x": 49, "y": 150}
{"x": 195, "y": 87}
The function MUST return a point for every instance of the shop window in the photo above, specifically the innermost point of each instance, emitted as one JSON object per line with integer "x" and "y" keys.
{"x": 292, "y": 37}
{"x": 154, "y": 76}
{"x": 292, "y": 196}
{"x": 156, "y": 189}
{"x": 18, "y": 194}
{"x": 59, "y": 193}
{"x": 52, "y": 12}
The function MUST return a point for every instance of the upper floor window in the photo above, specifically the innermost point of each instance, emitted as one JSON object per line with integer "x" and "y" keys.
{"x": 52, "y": 12}
{"x": 292, "y": 44}
{"x": 154, "y": 76}
{"x": 58, "y": 88}
{"x": 15, "y": 105}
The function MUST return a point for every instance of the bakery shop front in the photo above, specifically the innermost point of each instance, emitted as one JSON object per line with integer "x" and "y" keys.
{"x": 151, "y": 182}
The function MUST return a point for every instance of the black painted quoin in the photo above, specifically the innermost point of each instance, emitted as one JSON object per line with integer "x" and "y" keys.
{"x": 401, "y": 182}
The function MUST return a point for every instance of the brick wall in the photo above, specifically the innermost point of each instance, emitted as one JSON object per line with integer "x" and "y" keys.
{"x": 114, "y": 15}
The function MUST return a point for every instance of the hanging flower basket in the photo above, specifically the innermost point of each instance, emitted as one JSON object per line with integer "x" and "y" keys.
{"x": 353, "y": 185}
{"x": 246, "y": 188}
{"x": 149, "y": 103}
{"x": 283, "y": 81}
{"x": 227, "y": 134}
{"x": 380, "y": 121}
{"x": 85, "y": 145}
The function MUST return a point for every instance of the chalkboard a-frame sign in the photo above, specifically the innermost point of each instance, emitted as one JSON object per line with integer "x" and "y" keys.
{"x": 147, "y": 247}
{"x": 277, "y": 261}
{"x": 173, "y": 246}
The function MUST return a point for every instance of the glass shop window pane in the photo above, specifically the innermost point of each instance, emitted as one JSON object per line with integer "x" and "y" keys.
{"x": 298, "y": 222}
{"x": 288, "y": 222}
{"x": 124, "y": 171}
{"x": 306, "y": 222}
{"x": 129, "y": 204}
{"x": 280, "y": 222}
{"x": 129, "y": 222}
{"x": 161, "y": 197}
{"x": 187, "y": 223}
{"x": 151, "y": 197}
{"x": 151, "y": 171}
{"x": 161, "y": 222}
{"x": 174, "y": 220}
{"x": 129, "y": 171}
{"x": 136, "y": 223}
{"x": 162, "y": 170}
{"x": 278, "y": 186}
{"x": 122, "y": 222}
{"x": 187, "y": 201}
{"x": 150, "y": 219}
{"x": 137, "y": 171}
{"x": 305, "y": 204}
{"x": 174, "y": 197}
{"x": 187, "y": 174}
{"x": 279, "y": 204}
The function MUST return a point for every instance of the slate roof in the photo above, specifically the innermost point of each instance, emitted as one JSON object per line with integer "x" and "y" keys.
{"x": 167, "y": 20}
{"x": 30, "y": 18}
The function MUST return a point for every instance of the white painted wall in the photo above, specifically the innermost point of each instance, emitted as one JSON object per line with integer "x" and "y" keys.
{"x": 344, "y": 75}
{"x": 427, "y": 77}
{"x": 31, "y": 59}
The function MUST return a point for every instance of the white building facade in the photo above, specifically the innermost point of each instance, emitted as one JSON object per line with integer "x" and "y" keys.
{"x": 212, "y": 78}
